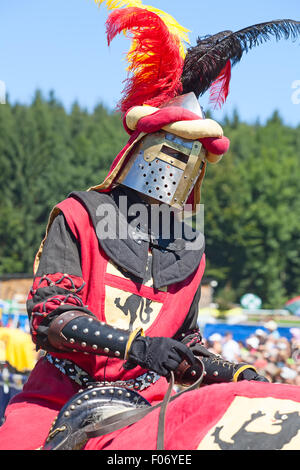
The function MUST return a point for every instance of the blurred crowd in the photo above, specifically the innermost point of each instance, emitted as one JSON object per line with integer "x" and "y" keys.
{"x": 274, "y": 356}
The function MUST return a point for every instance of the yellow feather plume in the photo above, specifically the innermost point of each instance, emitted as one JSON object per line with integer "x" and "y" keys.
{"x": 173, "y": 26}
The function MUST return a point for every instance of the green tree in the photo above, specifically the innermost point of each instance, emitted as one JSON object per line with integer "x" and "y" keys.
{"x": 45, "y": 153}
{"x": 252, "y": 212}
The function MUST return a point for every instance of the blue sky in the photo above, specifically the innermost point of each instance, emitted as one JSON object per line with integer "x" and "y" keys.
{"x": 61, "y": 45}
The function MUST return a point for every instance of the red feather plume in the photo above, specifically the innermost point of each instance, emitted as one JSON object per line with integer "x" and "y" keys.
{"x": 219, "y": 89}
{"x": 155, "y": 62}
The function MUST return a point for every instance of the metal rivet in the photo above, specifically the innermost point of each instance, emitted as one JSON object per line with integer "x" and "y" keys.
{"x": 111, "y": 391}
{"x": 106, "y": 350}
{"x": 127, "y": 395}
{"x": 74, "y": 327}
{"x": 94, "y": 394}
{"x": 121, "y": 338}
{"x": 193, "y": 373}
{"x": 72, "y": 407}
{"x": 79, "y": 402}
{"x": 86, "y": 330}
{"x": 120, "y": 392}
{"x": 72, "y": 340}
{"x": 67, "y": 413}
{"x": 86, "y": 397}
{"x": 83, "y": 344}
{"x": 95, "y": 347}
{"x": 60, "y": 321}
{"x": 216, "y": 373}
{"x": 97, "y": 333}
{"x": 109, "y": 336}
{"x": 90, "y": 320}
{"x": 103, "y": 392}
{"x": 117, "y": 353}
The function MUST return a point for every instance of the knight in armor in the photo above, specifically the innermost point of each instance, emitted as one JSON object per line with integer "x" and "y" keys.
{"x": 114, "y": 300}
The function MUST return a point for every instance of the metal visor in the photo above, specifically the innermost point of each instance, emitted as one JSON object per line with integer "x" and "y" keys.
{"x": 164, "y": 167}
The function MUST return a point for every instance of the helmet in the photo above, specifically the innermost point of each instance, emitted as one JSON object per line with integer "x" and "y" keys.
{"x": 164, "y": 166}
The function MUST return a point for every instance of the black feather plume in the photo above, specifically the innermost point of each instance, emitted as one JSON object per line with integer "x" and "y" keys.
{"x": 205, "y": 61}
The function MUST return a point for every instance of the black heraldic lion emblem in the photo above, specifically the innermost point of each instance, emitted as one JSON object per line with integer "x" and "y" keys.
{"x": 131, "y": 306}
{"x": 136, "y": 306}
{"x": 245, "y": 440}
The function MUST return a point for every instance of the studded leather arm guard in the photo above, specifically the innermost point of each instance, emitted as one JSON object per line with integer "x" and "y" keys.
{"x": 218, "y": 370}
{"x": 80, "y": 332}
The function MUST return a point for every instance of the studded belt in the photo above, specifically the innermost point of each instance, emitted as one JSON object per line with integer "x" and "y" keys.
{"x": 83, "y": 379}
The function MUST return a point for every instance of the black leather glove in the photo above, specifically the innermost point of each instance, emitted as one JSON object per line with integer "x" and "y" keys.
{"x": 158, "y": 354}
{"x": 193, "y": 340}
